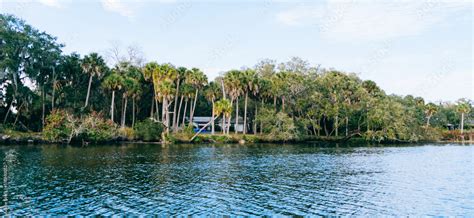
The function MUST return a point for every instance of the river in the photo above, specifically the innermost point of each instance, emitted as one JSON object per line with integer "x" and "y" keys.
{"x": 260, "y": 179}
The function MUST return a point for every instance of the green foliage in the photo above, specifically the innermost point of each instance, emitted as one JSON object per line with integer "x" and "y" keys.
{"x": 62, "y": 126}
{"x": 277, "y": 124}
{"x": 148, "y": 130}
{"x": 58, "y": 126}
{"x": 305, "y": 101}
{"x": 97, "y": 129}
{"x": 189, "y": 129}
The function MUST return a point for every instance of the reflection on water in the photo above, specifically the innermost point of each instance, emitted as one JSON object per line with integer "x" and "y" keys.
{"x": 238, "y": 180}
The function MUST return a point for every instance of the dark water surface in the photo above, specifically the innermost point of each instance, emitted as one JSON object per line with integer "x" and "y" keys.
{"x": 237, "y": 180}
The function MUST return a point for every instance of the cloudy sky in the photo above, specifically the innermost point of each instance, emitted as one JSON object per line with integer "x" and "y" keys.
{"x": 422, "y": 48}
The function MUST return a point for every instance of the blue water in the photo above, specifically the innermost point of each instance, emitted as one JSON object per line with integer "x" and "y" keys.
{"x": 311, "y": 179}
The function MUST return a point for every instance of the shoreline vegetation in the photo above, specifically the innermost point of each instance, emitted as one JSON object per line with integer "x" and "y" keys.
{"x": 48, "y": 96}
{"x": 29, "y": 138}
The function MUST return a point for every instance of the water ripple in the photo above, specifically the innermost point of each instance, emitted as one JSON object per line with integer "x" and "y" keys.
{"x": 240, "y": 180}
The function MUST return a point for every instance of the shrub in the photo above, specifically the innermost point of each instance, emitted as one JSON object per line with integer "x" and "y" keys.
{"x": 95, "y": 128}
{"x": 127, "y": 133}
{"x": 59, "y": 125}
{"x": 148, "y": 130}
{"x": 451, "y": 135}
{"x": 278, "y": 125}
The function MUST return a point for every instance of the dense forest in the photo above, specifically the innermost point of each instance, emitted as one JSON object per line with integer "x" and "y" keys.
{"x": 68, "y": 95}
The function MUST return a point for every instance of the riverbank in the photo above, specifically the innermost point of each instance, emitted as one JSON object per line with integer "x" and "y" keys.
{"x": 16, "y": 137}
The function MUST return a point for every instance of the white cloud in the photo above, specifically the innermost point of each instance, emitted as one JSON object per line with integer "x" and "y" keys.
{"x": 51, "y": 3}
{"x": 125, "y": 8}
{"x": 377, "y": 20}
{"x": 128, "y": 8}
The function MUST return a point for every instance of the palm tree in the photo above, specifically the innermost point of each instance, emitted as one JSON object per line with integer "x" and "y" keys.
{"x": 197, "y": 79}
{"x": 187, "y": 92}
{"x": 148, "y": 71}
{"x": 463, "y": 108}
{"x": 181, "y": 73}
{"x": 233, "y": 86}
{"x": 93, "y": 65}
{"x": 130, "y": 85}
{"x": 164, "y": 88}
{"x": 211, "y": 92}
{"x": 114, "y": 83}
{"x": 430, "y": 110}
{"x": 249, "y": 81}
{"x": 224, "y": 107}
{"x": 135, "y": 93}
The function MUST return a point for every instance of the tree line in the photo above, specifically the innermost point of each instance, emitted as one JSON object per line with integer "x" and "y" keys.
{"x": 287, "y": 99}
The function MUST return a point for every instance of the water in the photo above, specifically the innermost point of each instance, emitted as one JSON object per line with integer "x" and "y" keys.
{"x": 237, "y": 180}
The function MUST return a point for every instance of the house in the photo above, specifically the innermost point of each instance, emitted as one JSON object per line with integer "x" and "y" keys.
{"x": 199, "y": 122}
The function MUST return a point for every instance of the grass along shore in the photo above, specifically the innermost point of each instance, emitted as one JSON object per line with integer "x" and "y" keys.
{"x": 9, "y": 137}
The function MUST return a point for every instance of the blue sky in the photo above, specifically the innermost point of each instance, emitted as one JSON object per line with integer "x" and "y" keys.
{"x": 422, "y": 48}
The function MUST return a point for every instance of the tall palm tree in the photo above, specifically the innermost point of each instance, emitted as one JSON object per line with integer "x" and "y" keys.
{"x": 113, "y": 82}
{"x": 430, "y": 110}
{"x": 164, "y": 88}
{"x": 197, "y": 79}
{"x": 130, "y": 85}
{"x": 249, "y": 83}
{"x": 233, "y": 86}
{"x": 211, "y": 92}
{"x": 181, "y": 73}
{"x": 135, "y": 93}
{"x": 463, "y": 108}
{"x": 148, "y": 71}
{"x": 93, "y": 65}
{"x": 187, "y": 92}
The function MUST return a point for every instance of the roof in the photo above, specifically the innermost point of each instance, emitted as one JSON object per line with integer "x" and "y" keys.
{"x": 208, "y": 119}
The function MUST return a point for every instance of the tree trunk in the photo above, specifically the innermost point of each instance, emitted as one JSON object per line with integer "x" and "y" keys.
{"x": 166, "y": 115}
{"x": 368, "y": 126}
{"x": 428, "y": 121}
{"x": 212, "y": 123}
{"x": 184, "y": 113}
{"x": 194, "y": 106}
{"x": 261, "y": 123}
{"x": 54, "y": 90}
{"x": 336, "y": 125}
{"x": 152, "y": 106}
{"x": 124, "y": 115}
{"x": 462, "y": 124}
{"x": 163, "y": 110}
{"x": 88, "y": 91}
{"x": 112, "y": 106}
{"x": 275, "y": 102}
{"x": 319, "y": 127}
{"x": 228, "y": 124}
{"x": 283, "y": 103}
{"x": 179, "y": 113}
{"x": 325, "y": 126}
{"x": 229, "y": 117}
{"x": 201, "y": 129}
{"x": 245, "y": 113}
{"x": 8, "y": 112}
{"x": 347, "y": 126}
{"x": 175, "y": 105}
{"x": 190, "y": 109}
{"x": 133, "y": 112}
{"x": 157, "y": 109}
{"x": 223, "y": 124}
{"x": 18, "y": 113}
{"x": 236, "y": 115}
{"x": 255, "y": 120}
{"x": 43, "y": 106}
